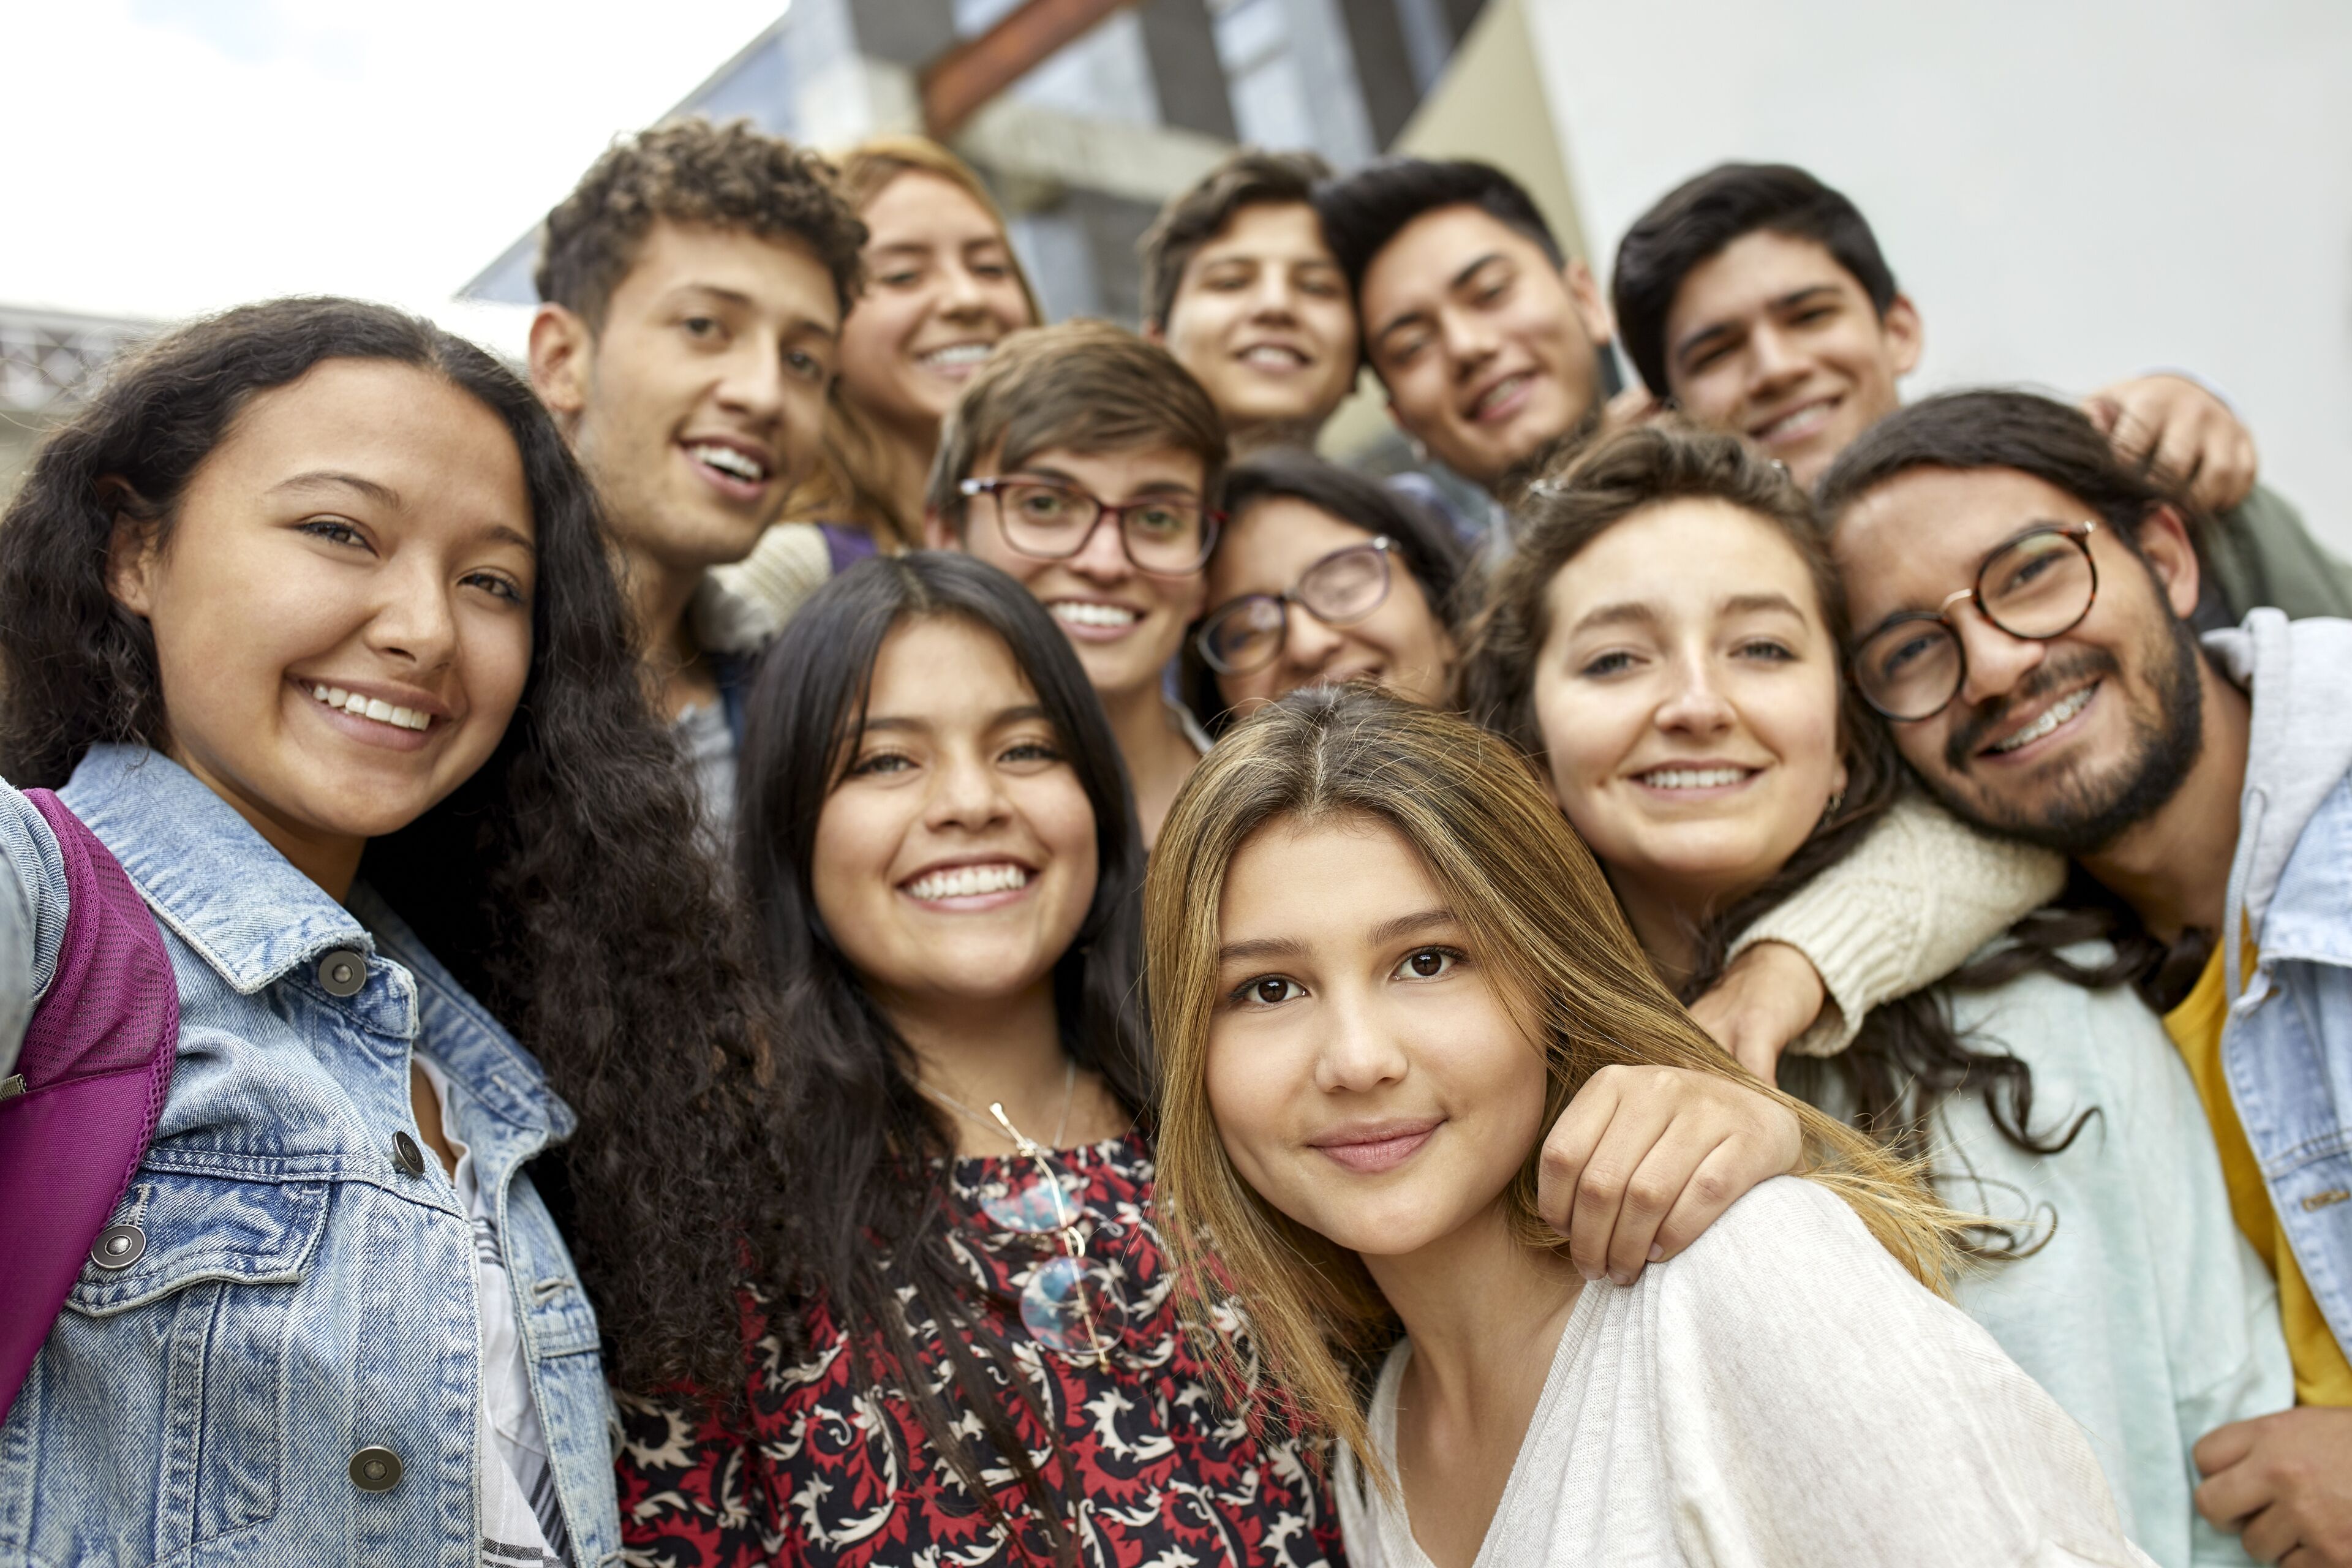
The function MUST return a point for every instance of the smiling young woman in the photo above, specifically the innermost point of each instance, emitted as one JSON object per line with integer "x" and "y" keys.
{"x": 986, "y": 1364}
{"x": 1681, "y": 626}
{"x": 310, "y": 618}
{"x": 1380, "y": 962}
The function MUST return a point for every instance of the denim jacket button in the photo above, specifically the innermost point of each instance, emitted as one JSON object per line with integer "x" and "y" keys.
{"x": 406, "y": 1154}
{"x": 343, "y": 972}
{"x": 118, "y": 1247}
{"x": 375, "y": 1469}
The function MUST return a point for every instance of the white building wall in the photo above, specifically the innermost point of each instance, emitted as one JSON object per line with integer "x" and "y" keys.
{"x": 2072, "y": 190}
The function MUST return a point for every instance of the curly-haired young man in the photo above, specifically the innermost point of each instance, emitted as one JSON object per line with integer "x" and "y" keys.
{"x": 693, "y": 287}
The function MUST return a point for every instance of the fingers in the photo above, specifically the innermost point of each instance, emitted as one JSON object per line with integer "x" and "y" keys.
{"x": 1770, "y": 996}
{"x": 1569, "y": 1147}
{"x": 1644, "y": 1159}
{"x": 2228, "y": 1497}
{"x": 2225, "y": 1446}
{"x": 2269, "y": 1535}
{"x": 1602, "y": 1188}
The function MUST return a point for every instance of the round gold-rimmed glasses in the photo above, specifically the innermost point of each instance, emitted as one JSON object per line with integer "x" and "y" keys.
{"x": 2037, "y": 586}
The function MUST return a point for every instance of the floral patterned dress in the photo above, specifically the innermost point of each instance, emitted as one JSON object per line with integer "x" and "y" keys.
{"x": 1167, "y": 1476}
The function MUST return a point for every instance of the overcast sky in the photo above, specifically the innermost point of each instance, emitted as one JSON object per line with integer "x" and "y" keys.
{"x": 166, "y": 157}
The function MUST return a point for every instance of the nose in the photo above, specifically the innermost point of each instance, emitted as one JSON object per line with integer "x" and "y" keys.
{"x": 1773, "y": 363}
{"x": 1307, "y": 644}
{"x": 966, "y": 793}
{"x": 1356, "y": 1053}
{"x": 751, "y": 380}
{"x": 1468, "y": 343}
{"x": 1995, "y": 661}
{"x": 960, "y": 296}
{"x": 1272, "y": 298}
{"x": 1102, "y": 558}
{"x": 1695, "y": 705}
{"x": 413, "y": 623}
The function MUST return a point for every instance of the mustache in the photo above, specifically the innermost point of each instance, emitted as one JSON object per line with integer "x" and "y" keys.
{"x": 1968, "y": 736}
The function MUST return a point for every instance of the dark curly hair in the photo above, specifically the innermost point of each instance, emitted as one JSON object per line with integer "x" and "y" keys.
{"x": 1248, "y": 177}
{"x": 874, "y": 1147}
{"x": 642, "y": 1008}
{"x": 729, "y": 176}
{"x": 1908, "y": 1056}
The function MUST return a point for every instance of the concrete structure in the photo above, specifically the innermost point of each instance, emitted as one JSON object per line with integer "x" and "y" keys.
{"x": 2071, "y": 192}
{"x": 48, "y": 361}
{"x": 1083, "y": 148}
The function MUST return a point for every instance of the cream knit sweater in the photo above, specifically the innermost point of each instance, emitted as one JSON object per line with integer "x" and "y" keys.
{"x": 1921, "y": 892}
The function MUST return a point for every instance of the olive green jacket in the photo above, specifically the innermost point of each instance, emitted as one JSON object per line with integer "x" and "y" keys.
{"x": 2262, "y": 554}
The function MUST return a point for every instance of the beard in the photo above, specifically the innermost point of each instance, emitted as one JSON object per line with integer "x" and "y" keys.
{"x": 2084, "y": 814}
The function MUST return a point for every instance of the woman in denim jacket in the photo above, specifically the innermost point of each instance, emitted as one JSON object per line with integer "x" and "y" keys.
{"x": 308, "y": 617}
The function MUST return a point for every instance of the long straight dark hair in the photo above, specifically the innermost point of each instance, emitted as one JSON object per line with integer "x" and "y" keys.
{"x": 1908, "y": 1056}
{"x": 870, "y": 1146}
{"x": 643, "y": 1009}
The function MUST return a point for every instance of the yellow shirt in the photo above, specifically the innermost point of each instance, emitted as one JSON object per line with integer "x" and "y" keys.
{"x": 2321, "y": 1375}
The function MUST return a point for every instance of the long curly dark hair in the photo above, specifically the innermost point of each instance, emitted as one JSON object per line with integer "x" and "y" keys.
{"x": 873, "y": 1148}
{"x": 562, "y": 883}
{"x": 1908, "y": 1056}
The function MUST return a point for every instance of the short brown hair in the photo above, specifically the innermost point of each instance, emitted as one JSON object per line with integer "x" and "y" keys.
{"x": 1191, "y": 218}
{"x": 1088, "y": 386}
{"x": 729, "y": 176}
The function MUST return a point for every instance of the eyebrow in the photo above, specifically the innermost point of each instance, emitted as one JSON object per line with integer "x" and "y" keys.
{"x": 335, "y": 479}
{"x": 1407, "y": 925}
{"x": 1752, "y": 604}
{"x": 1148, "y": 488}
{"x": 1020, "y": 713}
{"x": 1738, "y": 605}
{"x": 1723, "y": 328}
{"x": 1291, "y": 947}
{"x": 740, "y": 300}
{"x": 1418, "y": 312}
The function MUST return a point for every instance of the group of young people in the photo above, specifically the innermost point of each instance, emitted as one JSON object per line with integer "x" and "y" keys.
{"x": 850, "y": 929}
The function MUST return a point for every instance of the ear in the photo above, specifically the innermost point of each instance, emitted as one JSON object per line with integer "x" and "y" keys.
{"x": 1592, "y": 310}
{"x": 2171, "y": 555}
{"x": 562, "y": 353}
{"x": 1906, "y": 334}
{"x": 1156, "y": 332}
{"x": 132, "y": 559}
{"x": 938, "y": 533}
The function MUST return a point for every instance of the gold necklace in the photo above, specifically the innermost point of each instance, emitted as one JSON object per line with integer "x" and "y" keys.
{"x": 1022, "y": 1141}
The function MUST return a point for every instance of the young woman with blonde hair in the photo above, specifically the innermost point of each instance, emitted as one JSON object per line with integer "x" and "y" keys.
{"x": 942, "y": 287}
{"x": 1379, "y": 963}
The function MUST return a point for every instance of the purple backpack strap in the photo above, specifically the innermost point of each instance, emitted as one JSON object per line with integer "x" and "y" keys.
{"x": 845, "y": 544}
{"x": 97, "y": 1064}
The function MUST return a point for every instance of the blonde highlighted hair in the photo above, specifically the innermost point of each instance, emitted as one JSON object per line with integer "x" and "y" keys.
{"x": 1541, "y": 921}
{"x": 852, "y": 483}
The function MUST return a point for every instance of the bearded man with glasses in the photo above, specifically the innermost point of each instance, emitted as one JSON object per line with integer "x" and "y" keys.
{"x": 2021, "y": 598}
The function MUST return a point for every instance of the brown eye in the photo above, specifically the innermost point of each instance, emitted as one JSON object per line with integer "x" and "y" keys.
{"x": 1427, "y": 964}
{"x": 1271, "y": 991}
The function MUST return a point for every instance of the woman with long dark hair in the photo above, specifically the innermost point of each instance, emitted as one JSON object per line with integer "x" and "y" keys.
{"x": 985, "y": 1364}
{"x": 309, "y": 617}
{"x": 1668, "y": 641}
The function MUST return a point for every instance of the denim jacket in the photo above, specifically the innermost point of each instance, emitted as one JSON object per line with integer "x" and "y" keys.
{"x": 2286, "y": 1046}
{"x": 306, "y": 1289}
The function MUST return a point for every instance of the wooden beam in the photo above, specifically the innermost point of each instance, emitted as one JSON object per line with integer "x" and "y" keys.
{"x": 956, "y": 84}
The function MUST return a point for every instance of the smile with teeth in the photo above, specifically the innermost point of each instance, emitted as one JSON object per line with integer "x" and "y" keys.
{"x": 373, "y": 707}
{"x": 1093, "y": 613}
{"x": 2057, "y": 714}
{"x": 735, "y": 464}
{"x": 1694, "y": 778}
{"x": 1501, "y": 390}
{"x": 1273, "y": 356}
{"x": 967, "y": 881}
{"x": 1798, "y": 422}
{"x": 955, "y": 356}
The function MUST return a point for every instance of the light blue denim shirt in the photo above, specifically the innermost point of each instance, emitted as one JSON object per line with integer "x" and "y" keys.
{"x": 303, "y": 1295}
{"x": 2286, "y": 1046}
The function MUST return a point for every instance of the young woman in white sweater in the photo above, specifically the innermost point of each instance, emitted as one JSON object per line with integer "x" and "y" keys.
{"x": 1380, "y": 965}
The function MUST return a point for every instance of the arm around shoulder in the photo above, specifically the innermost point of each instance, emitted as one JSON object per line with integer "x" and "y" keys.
{"x": 1819, "y": 1406}
{"x": 1921, "y": 892}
